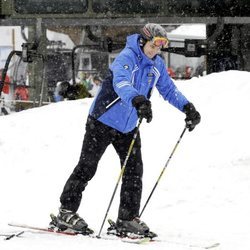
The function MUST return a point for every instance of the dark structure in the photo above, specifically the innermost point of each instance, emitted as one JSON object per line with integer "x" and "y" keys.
{"x": 107, "y": 22}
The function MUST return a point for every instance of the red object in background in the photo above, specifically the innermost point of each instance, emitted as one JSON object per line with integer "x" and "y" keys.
{"x": 188, "y": 72}
{"x": 21, "y": 93}
{"x": 6, "y": 86}
{"x": 171, "y": 73}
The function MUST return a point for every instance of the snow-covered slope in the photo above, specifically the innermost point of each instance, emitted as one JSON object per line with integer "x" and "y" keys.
{"x": 202, "y": 198}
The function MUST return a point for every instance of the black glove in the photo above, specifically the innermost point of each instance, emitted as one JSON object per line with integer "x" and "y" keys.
{"x": 143, "y": 107}
{"x": 192, "y": 116}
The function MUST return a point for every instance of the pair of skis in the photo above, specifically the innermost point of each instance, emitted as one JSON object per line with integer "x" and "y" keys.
{"x": 108, "y": 236}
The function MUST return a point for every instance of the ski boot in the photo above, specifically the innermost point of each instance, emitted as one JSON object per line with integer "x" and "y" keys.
{"x": 133, "y": 229}
{"x": 69, "y": 221}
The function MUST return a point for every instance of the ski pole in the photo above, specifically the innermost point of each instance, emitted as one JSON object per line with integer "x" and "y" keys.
{"x": 121, "y": 174}
{"x": 164, "y": 168}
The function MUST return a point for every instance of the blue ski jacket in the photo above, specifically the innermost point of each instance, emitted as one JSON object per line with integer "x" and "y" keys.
{"x": 131, "y": 74}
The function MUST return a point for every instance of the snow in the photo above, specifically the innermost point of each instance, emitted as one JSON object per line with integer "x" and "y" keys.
{"x": 8, "y": 32}
{"x": 188, "y": 31}
{"x": 202, "y": 198}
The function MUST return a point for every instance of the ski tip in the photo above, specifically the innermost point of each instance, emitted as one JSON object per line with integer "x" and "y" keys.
{"x": 9, "y": 237}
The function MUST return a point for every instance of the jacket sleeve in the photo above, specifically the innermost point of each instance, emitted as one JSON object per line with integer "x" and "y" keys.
{"x": 169, "y": 91}
{"x": 123, "y": 71}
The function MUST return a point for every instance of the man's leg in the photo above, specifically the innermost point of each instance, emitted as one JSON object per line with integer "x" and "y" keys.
{"x": 131, "y": 189}
{"x": 95, "y": 142}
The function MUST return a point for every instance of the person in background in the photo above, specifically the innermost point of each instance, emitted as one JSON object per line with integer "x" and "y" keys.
{"x": 21, "y": 94}
{"x": 188, "y": 72}
{"x": 66, "y": 91}
{"x": 6, "y": 84}
{"x": 60, "y": 91}
{"x": 200, "y": 70}
{"x": 5, "y": 91}
{"x": 124, "y": 97}
{"x": 171, "y": 72}
{"x": 96, "y": 83}
{"x": 87, "y": 81}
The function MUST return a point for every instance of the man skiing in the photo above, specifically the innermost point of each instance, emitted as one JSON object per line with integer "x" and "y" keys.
{"x": 122, "y": 99}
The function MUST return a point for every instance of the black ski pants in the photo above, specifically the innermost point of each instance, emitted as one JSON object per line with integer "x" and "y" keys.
{"x": 97, "y": 138}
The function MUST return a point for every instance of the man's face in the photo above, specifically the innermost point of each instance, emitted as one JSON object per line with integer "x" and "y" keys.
{"x": 151, "y": 50}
